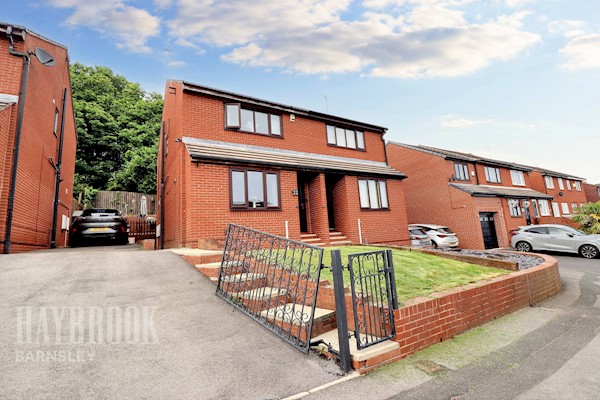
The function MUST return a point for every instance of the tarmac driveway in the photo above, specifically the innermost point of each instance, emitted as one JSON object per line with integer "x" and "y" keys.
{"x": 134, "y": 324}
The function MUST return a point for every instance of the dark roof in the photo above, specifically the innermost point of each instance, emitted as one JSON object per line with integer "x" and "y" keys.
{"x": 468, "y": 157}
{"x": 558, "y": 174}
{"x": 500, "y": 191}
{"x": 235, "y": 97}
{"x": 212, "y": 150}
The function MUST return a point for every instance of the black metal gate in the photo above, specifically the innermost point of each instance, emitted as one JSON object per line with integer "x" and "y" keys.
{"x": 374, "y": 296}
{"x": 273, "y": 280}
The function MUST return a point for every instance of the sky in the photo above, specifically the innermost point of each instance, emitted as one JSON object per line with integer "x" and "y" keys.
{"x": 515, "y": 80}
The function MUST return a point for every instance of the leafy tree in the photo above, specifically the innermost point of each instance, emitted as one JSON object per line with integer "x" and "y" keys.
{"x": 118, "y": 125}
{"x": 588, "y": 216}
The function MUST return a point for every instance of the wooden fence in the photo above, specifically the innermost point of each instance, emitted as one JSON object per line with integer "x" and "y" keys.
{"x": 128, "y": 203}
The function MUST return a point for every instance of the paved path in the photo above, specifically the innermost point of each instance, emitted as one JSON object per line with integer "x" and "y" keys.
{"x": 547, "y": 352}
{"x": 205, "y": 349}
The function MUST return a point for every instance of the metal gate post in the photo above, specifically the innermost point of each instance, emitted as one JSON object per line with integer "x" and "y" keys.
{"x": 392, "y": 276}
{"x": 340, "y": 310}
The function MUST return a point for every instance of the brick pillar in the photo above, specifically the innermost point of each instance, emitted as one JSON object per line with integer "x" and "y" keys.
{"x": 317, "y": 197}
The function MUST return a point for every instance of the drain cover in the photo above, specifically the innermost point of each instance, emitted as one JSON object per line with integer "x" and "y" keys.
{"x": 429, "y": 366}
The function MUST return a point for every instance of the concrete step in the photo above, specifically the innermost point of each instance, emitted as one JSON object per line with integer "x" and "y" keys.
{"x": 364, "y": 358}
{"x": 298, "y": 315}
{"x": 312, "y": 240}
{"x": 340, "y": 242}
{"x": 308, "y": 235}
{"x": 334, "y": 233}
{"x": 262, "y": 298}
{"x": 212, "y": 268}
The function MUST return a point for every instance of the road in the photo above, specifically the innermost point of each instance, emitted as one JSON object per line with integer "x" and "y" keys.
{"x": 187, "y": 344}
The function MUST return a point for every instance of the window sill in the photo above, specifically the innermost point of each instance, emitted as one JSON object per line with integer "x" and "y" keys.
{"x": 347, "y": 148}
{"x": 374, "y": 209}
{"x": 255, "y": 209}
{"x": 254, "y": 133}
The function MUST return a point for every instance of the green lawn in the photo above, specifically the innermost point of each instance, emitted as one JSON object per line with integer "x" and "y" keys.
{"x": 419, "y": 274}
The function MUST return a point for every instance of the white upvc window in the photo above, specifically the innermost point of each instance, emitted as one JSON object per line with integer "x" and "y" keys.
{"x": 555, "y": 210}
{"x": 514, "y": 207}
{"x": 492, "y": 175}
{"x": 373, "y": 194}
{"x": 568, "y": 184}
{"x": 544, "y": 208}
{"x": 517, "y": 177}
{"x": 574, "y": 207}
{"x": 565, "y": 208}
{"x": 577, "y": 185}
{"x": 549, "y": 182}
{"x": 561, "y": 185}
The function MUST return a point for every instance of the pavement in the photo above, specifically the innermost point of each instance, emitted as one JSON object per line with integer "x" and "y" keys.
{"x": 196, "y": 345}
{"x": 199, "y": 347}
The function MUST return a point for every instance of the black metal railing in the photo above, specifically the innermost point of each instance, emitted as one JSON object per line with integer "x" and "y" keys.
{"x": 273, "y": 280}
{"x": 373, "y": 296}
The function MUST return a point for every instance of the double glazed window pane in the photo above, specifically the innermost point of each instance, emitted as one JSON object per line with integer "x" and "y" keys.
{"x": 256, "y": 194}
{"x": 233, "y": 115}
{"x": 350, "y": 139}
{"x": 364, "y": 193}
{"x": 238, "y": 189}
{"x": 262, "y": 122}
{"x": 340, "y": 135}
{"x": 247, "y": 120}
{"x": 373, "y": 194}
{"x": 360, "y": 140}
{"x": 331, "y": 134}
{"x": 383, "y": 194}
{"x": 272, "y": 191}
{"x": 275, "y": 125}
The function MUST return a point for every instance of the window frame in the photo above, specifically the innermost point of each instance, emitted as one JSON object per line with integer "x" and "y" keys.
{"x": 577, "y": 185}
{"x": 345, "y": 133}
{"x": 555, "y": 209}
{"x": 569, "y": 185}
{"x": 544, "y": 208}
{"x": 378, "y": 194}
{"x": 561, "y": 184}
{"x": 520, "y": 174}
{"x": 549, "y": 182}
{"x": 515, "y": 211}
{"x": 488, "y": 175}
{"x": 55, "y": 127}
{"x": 239, "y": 128}
{"x": 465, "y": 170}
{"x": 246, "y": 206}
{"x": 565, "y": 209}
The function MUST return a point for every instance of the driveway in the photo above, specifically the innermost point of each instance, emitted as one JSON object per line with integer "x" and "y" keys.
{"x": 177, "y": 339}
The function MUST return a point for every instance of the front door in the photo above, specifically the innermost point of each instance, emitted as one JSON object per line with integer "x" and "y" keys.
{"x": 302, "y": 204}
{"x": 490, "y": 240}
{"x": 527, "y": 213}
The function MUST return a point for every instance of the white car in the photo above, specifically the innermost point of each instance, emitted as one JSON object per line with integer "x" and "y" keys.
{"x": 553, "y": 237}
{"x": 418, "y": 237}
{"x": 440, "y": 235}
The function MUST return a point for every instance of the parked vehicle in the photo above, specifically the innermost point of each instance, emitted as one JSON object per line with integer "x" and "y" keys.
{"x": 418, "y": 237}
{"x": 96, "y": 224}
{"x": 552, "y": 237}
{"x": 440, "y": 235}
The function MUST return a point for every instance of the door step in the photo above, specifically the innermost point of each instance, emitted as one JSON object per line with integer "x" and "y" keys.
{"x": 337, "y": 239}
{"x": 294, "y": 317}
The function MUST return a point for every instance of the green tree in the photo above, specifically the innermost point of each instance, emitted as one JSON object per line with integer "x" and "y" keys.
{"x": 118, "y": 125}
{"x": 588, "y": 216}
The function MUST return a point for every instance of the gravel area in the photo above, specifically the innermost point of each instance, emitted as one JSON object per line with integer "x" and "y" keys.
{"x": 523, "y": 260}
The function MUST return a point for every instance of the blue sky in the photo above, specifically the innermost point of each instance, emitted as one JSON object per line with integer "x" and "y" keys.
{"x": 517, "y": 80}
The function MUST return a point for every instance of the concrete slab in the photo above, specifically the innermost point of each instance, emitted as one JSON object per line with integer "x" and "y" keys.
{"x": 378, "y": 349}
{"x": 183, "y": 251}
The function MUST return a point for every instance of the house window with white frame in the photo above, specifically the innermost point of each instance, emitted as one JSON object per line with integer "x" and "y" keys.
{"x": 373, "y": 194}
{"x": 492, "y": 175}
{"x": 561, "y": 184}
{"x": 555, "y": 210}
{"x": 574, "y": 207}
{"x": 549, "y": 182}
{"x": 565, "y": 208}
{"x": 544, "y": 208}
{"x": 461, "y": 172}
{"x": 514, "y": 206}
{"x": 577, "y": 185}
{"x": 347, "y": 138}
{"x": 568, "y": 184}
{"x": 517, "y": 177}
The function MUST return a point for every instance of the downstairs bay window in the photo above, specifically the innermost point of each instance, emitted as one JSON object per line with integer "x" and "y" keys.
{"x": 373, "y": 194}
{"x": 254, "y": 190}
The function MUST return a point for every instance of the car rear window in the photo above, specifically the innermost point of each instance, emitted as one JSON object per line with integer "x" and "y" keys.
{"x": 444, "y": 230}
{"x": 96, "y": 212}
{"x": 539, "y": 229}
{"x": 417, "y": 231}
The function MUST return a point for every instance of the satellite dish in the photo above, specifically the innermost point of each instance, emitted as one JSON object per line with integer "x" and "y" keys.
{"x": 44, "y": 57}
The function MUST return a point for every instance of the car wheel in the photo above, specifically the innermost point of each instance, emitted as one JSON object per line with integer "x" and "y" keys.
{"x": 523, "y": 246}
{"x": 588, "y": 251}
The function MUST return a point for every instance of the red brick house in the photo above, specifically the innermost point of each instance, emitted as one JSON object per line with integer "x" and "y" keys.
{"x": 231, "y": 158}
{"x": 481, "y": 199}
{"x": 38, "y": 140}
{"x": 592, "y": 192}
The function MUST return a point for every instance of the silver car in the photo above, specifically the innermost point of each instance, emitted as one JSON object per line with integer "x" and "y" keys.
{"x": 553, "y": 237}
{"x": 440, "y": 235}
{"x": 418, "y": 237}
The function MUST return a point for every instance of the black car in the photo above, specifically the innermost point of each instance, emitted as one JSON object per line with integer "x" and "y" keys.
{"x": 98, "y": 225}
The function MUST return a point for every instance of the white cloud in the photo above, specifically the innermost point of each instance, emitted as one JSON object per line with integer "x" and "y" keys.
{"x": 567, "y": 27}
{"x": 449, "y": 121}
{"x": 392, "y": 38}
{"x": 582, "y": 52}
{"x": 518, "y": 3}
{"x": 130, "y": 26}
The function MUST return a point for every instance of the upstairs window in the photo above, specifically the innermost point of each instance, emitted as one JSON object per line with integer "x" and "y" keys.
{"x": 549, "y": 182}
{"x": 577, "y": 185}
{"x": 517, "y": 177}
{"x": 245, "y": 120}
{"x": 254, "y": 190}
{"x": 461, "y": 172}
{"x": 561, "y": 185}
{"x": 347, "y": 138}
{"x": 373, "y": 194}
{"x": 492, "y": 175}
{"x": 568, "y": 184}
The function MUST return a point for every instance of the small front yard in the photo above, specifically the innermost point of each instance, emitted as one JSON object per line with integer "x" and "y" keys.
{"x": 419, "y": 274}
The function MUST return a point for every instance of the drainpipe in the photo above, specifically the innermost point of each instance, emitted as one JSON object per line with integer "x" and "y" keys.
{"x": 57, "y": 167}
{"x": 13, "y": 181}
{"x": 384, "y": 147}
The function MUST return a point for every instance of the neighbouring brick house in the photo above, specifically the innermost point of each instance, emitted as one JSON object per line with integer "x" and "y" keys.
{"x": 481, "y": 199}
{"x": 35, "y": 111}
{"x": 592, "y": 192}
{"x": 231, "y": 158}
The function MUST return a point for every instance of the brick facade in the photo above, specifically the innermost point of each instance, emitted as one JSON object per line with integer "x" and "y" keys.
{"x": 34, "y": 196}
{"x": 197, "y": 193}
{"x": 592, "y": 192}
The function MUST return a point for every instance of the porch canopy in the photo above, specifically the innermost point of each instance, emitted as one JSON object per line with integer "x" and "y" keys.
{"x": 225, "y": 152}
{"x": 500, "y": 191}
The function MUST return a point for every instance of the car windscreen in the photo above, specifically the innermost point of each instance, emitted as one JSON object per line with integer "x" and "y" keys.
{"x": 417, "y": 231}
{"x": 445, "y": 230}
{"x": 98, "y": 212}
